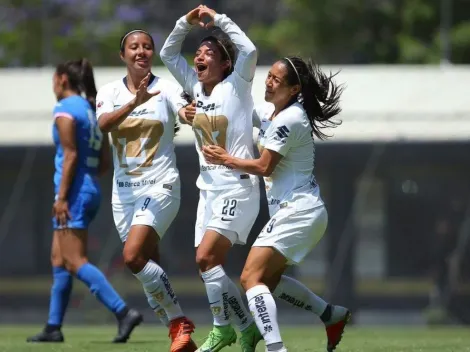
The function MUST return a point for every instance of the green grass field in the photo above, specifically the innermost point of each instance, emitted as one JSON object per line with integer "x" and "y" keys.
{"x": 154, "y": 339}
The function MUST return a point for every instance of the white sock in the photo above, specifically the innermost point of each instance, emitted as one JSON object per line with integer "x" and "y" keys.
{"x": 217, "y": 292}
{"x": 238, "y": 312}
{"x": 156, "y": 283}
{"x": 157, "y": 308}
{"x": 299, "y": 295}
{"x": 263, "y": 308}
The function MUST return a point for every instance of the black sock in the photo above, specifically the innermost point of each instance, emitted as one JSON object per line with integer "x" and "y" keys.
{"x": 326, "y": 315}
{"x": 52, "y": 328}
{"x": 122, "y": 313}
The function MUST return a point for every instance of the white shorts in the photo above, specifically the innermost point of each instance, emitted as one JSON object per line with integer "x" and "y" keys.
{"x": 156, "y": 210}
{"x": 230, "y": 212}
{"x": 294, "y": 233}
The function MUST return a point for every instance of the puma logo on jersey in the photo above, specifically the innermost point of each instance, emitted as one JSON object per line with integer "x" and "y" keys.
{"x": 282, "y": 132}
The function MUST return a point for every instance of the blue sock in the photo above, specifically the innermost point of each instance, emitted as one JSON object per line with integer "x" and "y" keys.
{"x": 60, "y": 296}
{"x": 101, "y": 288}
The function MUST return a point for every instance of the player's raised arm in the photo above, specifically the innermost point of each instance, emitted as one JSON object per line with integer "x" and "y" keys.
{"x": 247, "y": 57}
{"x": 171, "y": 51}
{"x": 108, "y": 118}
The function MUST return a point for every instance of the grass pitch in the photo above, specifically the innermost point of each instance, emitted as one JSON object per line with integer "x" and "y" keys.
{"x": 298, "y": 339}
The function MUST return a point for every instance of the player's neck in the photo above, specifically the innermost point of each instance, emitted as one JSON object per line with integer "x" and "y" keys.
{"x": 208, "y": 88}
{"x": 133, "y": 81}
{"x": 68, "y": 93}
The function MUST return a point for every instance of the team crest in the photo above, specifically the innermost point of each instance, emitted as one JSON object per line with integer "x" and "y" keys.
{"x": 100, "y": 104}
{"x": 161, "y": 313}
{"x": 216, "y": 310}
{"x": 158, "y": 296}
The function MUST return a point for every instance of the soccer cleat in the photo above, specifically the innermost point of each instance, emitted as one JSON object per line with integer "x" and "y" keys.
{"x": 250, "y": 338}
{"x": 219, "y": 337}
{"x": 180, "y": 334}
{"x": 127, "y": 324}
{"x": 44, "y": 336}
{"x": 335, "y": 328}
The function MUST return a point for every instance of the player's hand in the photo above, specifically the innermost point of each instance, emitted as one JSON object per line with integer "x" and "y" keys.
{"x": 214, "y": 154}
{"x": 207, "y": 13}
{"x": 190, "y": 112}
{"x": 193, "y": 18}
{"x": 60, "y": 210}
{"x": 143, "y": 95}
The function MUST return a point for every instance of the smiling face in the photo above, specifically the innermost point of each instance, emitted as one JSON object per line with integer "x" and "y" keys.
{"x": 209, "y": 64}
{"x": 278, "y": 91}
{"x": 138, "y": 52}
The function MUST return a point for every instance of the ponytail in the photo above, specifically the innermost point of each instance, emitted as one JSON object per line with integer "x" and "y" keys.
{"x": 319, "y": 94}
{"x": 88, "y": 82}
{"x": 81, "y": 78}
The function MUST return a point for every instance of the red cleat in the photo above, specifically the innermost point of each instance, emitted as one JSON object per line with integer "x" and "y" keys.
{"x": 334, "y": 331}
{"x": 180, "y": 334}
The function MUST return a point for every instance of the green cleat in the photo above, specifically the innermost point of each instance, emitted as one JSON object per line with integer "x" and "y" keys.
{"x": 250, "y": 338}
{"x": 219, "y": 337}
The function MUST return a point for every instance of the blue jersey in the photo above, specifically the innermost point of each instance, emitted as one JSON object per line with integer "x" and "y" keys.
{"x": 88, "y": 142}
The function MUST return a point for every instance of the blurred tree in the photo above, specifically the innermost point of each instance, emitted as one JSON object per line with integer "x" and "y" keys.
{"x": 44, "y": 32}
{"x": 366, "y": 31}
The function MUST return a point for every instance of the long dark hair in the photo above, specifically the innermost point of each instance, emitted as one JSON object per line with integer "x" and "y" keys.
{"x": 81, "y": 78}
{"x": 319, "y": 94}
{"x": 226, "y": 47}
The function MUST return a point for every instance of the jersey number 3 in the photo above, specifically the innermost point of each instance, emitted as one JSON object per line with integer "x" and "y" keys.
{"x": 136, "y": 142}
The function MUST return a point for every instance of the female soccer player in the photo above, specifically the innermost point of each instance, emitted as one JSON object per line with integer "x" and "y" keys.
{"x": 139, "y": 111}
{"x": 228, "y": 199}
{"x": 81, "y": 155}
{"x": 302, "y": 102}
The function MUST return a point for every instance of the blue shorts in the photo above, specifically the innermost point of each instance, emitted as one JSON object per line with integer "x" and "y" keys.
{"x": 83, "y": 208}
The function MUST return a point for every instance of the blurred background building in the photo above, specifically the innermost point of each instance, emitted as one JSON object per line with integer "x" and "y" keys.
{"x": 395, "y": 175}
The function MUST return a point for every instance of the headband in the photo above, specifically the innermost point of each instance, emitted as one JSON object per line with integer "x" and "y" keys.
{"x": 213, "y": 38}
{"x": 296, "y": 72}
{"x": 132, "y": 32}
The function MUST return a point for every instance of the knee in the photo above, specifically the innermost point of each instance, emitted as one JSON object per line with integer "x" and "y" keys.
{"x": 250, "y": 278}
{"x": 205, "y": 260}
{"x": 133, "y": 260}
{"x": 247, "y": 279}
{"x": 74, "y": 264}
{"x": 57, "y": 261}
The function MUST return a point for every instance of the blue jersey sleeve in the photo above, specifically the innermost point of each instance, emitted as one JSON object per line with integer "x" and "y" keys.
{"x": 62, "y": 109}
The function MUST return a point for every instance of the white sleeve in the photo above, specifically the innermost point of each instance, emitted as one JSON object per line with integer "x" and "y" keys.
{"x": 256, "y": 118}
{"x": 282, "y": 134}
{"x": 104, "y": 101}
{"x": 174, "y": 61}
{"x": 245, "y": 65}
{"x": 174, "y": 99}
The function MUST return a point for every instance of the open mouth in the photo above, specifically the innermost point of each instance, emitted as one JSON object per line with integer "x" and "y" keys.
{"x": 200, "y": 68}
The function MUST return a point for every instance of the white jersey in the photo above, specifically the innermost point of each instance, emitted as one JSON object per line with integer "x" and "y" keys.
{"x": 292, "y": 182}
{"x": 143, "y": 148}
{"x": 225, "y": 117}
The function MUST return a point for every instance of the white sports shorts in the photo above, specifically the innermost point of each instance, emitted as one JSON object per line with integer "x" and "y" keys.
{"x": 157, "y": 210}
{"x": 230, "y": 212}
{"x": 294, "y": 233}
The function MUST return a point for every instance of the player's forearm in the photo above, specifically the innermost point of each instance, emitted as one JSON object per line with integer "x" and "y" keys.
{"x": 68, "y": 171}
{"x": 247, "y": 55}
{"x": 251, "y": 166}
{"x": 171, "y": 51}
{"x": 110, "y": 120}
